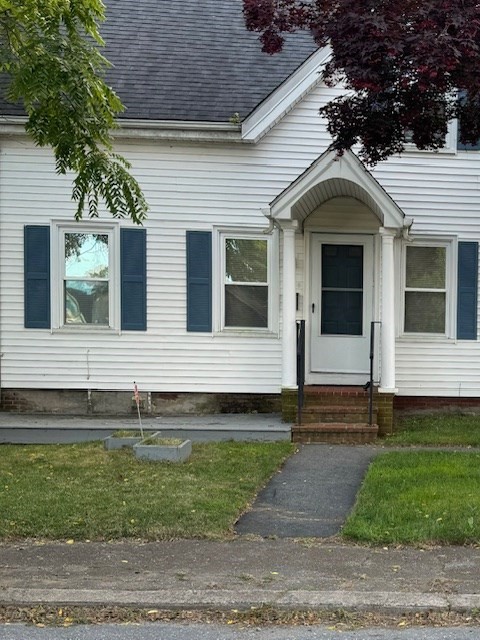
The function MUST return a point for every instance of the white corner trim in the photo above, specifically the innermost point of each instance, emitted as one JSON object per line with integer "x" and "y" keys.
{"x": 280, "y": 101}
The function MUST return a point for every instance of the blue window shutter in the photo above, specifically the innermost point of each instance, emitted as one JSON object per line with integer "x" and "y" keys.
{"x": 37, "y": 277}
{"x": 467, "y": 290}
{"x": 133, "y": 267}
{"x": 199, "y": 281}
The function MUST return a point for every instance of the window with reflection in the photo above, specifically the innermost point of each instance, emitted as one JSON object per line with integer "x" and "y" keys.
{"x": 86, "y": 279}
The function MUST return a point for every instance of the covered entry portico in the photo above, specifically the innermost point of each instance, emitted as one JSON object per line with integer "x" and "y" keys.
{"x": 339, "y": 227}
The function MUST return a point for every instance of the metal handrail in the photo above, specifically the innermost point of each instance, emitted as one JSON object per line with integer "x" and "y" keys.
{"x": 370, "y": 382}
{"x": 300, "y": 367}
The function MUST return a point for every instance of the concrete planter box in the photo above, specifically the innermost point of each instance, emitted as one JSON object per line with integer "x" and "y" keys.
{"x": 120, "y": 442}
{"x": 163, "y": 452}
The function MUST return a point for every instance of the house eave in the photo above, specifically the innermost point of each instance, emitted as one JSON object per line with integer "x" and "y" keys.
{"x": 202, "y": 131}
{"x": 151, "y": 130}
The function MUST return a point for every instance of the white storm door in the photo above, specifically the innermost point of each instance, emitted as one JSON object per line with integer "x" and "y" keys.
{"x": 341, "y": 307}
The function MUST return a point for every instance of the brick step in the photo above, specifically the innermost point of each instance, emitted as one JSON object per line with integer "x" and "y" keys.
{"x": 335, "y": 433}
{"x": 336, "y": 390}
{"x": 336, "y": 413}
{"x": 319, "y": 396}
{"x": 320, "y": 401}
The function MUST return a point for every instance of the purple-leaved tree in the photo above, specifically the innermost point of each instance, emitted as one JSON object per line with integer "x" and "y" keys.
{"x": 409, "y": 66}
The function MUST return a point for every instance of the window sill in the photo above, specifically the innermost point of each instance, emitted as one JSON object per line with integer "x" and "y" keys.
{"x": 412, "y": 149}
{"x": 424, "y": 337}
{"x": 82, "y": 328}
{"x": 246, "y": 333}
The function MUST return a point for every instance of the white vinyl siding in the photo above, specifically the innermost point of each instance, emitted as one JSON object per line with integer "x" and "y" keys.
{"x": 202, "y": 187}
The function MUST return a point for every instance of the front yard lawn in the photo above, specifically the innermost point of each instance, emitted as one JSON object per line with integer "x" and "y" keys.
{"x": 83, "y": 492}
{"x": 419, "y": 497}
{"x": 440, "y": 430}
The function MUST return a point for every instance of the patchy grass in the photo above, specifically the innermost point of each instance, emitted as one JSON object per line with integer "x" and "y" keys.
{"x": 127, "y": 433}
{"x": 166, "y": 442}
{"x": 266, "y": 616}
{"x": 440, "y": 430}
{"x": 83, "y": 492}
{"x": 419, "y": 497}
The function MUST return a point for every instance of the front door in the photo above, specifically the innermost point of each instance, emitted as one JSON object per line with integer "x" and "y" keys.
{"x": 341, "y": 308}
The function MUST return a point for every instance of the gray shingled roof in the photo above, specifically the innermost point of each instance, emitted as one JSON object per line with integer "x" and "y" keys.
{"x": 190, "y": 59}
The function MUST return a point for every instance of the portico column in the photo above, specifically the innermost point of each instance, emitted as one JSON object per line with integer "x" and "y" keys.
{"x": 387, "y": 379}
{"x": 289, "y": 336}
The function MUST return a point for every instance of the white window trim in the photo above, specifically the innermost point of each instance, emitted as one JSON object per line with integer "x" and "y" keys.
{"x": 451, "y": 245}
{"x": 57, "y": 241}
{"x": 218, "y": 264}
{"x": 449, "y": 148}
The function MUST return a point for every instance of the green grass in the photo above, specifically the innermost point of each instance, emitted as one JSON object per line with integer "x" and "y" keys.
{"x": 454, "y": 430}
{"x": 84, "y": 492}
{"x": 127, "y": 433}
{"x": 419, "y": 497}
{"x": 167, "y": 442}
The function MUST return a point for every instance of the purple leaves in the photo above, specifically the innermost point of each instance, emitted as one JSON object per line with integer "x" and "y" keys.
{"x": 404, "y": 60}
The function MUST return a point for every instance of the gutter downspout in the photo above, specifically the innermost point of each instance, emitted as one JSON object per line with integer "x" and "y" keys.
{"x": 272, "y": 222}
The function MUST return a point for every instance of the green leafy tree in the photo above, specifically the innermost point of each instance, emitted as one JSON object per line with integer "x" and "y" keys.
{"x": 50, "y": 53}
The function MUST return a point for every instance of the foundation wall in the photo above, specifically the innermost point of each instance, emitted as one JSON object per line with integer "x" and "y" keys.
{"x": 92, "y": 402}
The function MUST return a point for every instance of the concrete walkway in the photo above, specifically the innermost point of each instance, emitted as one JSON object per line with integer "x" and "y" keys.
{"x": 312, "y": 495}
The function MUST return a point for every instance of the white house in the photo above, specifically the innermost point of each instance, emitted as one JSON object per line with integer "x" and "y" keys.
{"x": 254, "y": 224}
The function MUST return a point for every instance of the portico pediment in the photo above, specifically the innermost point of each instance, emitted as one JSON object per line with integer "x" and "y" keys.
{"x": 332, "y": 176}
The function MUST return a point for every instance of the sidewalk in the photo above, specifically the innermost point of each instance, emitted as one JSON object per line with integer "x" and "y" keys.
{"x": 240, "y": 574}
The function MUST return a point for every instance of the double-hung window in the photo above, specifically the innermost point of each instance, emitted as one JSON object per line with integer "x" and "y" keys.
{"x": 87, "y": 273}
{"x": 427, "y": 290}
{"x": 87, "y": 276}
{"x": 246, "y": 286}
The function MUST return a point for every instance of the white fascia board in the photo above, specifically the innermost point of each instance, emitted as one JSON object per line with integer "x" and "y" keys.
{"x": 151, "y": 130}
{"x": 285, "y": 97}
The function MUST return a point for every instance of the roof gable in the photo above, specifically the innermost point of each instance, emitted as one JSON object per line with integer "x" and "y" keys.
{"x": 285, "y": 97}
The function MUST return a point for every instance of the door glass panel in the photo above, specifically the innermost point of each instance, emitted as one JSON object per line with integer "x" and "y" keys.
{"x": 342, "y": 290}
{"x": 342, "y": 313}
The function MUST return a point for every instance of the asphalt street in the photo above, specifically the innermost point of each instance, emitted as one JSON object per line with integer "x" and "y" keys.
{"x": 172, "y": 631}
